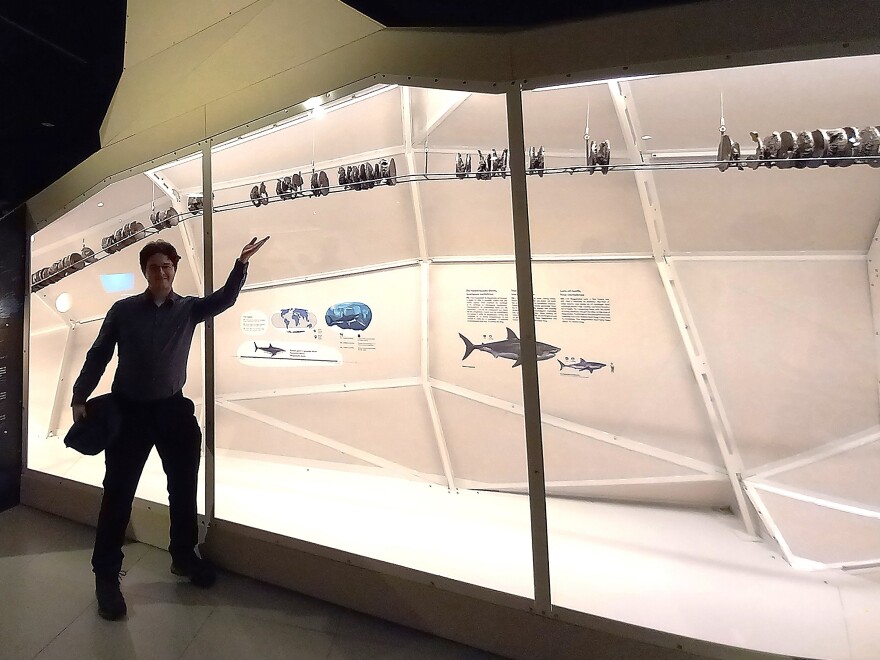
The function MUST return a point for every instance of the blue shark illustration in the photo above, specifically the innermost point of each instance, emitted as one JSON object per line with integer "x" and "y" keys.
{"x": 271, "y": 350}
{"x": 582, "y": 365}
{"x": 349, "y": 316}
{"x": 509, "y": 348}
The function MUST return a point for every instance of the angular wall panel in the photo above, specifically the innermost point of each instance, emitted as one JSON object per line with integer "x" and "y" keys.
{"x": 791, "y": 348}
{"x": 393, "y": 424}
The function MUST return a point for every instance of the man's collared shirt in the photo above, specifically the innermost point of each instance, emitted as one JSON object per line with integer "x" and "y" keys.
{"x": 154, "y": 341}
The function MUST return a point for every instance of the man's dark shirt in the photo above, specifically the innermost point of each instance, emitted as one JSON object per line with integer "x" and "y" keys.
{"x": 154, "y": 342}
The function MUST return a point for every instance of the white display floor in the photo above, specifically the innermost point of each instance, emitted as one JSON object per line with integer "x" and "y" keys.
{"x": 690, "y": 572}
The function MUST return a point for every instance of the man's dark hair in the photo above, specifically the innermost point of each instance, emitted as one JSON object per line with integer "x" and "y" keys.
{"x": 158, "y": 247}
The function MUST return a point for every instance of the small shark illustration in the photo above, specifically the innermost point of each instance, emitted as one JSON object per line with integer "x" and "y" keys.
{"x": 271, "y": 350}
{"x": 509, "y": 348}
{"x": 582, "y": 365}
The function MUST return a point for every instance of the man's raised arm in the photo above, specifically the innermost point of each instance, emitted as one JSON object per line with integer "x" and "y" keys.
{"x": 225, "y": 297}
{"x": 96, "y": 359}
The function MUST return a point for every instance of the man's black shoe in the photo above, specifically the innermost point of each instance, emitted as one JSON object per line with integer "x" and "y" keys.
{"x": 199, "y": 571}
{"x": 111, "y": 604}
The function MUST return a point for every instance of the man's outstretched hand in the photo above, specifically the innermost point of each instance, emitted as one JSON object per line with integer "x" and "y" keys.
{"x": 251, "y": 249}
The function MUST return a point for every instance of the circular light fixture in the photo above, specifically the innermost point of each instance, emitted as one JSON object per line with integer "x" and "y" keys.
{"x": 63, "y": 303}
{"x": 647, "y": 137}
{"x": 100, "y": 204}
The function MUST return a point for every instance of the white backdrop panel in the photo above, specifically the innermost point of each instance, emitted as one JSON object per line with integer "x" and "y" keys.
{"x": 822, "y": 534}
{"x": 682, "y": 111}
{"x": 394, "y": 296}
{"x": 466, "y": 218}
{"x": 650, "y": 395}
{"x": 770, "y": 210}
{"x": 374, "y": 123}
{"x": 556, "y": 119}
{"x": 790, "y": 344}
{"x": 393, "y": 423}
{"x": 480, "y": 122}
{"x": 714, "y": 493}
{"x": 44, "y": 369}
{"x": 343, "y": 230}
{"x": 584, "y": 214}
{"x": 241, "y": 433}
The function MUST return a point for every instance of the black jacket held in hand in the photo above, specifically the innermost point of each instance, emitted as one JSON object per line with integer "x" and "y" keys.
{"x": 154, "y": 342}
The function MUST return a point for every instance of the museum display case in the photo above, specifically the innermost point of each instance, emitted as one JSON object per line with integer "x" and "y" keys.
{"x": 702, "y": 259}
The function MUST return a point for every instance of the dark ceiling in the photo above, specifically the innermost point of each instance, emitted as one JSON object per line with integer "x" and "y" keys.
{"x": 60, "y": 63}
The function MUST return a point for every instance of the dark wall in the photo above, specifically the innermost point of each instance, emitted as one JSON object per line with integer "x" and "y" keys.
{"x": 13, "y": 279}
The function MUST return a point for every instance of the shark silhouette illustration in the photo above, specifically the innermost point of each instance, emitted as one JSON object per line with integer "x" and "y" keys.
{"x": 509, "y": 348}
{"x": 271, "y": 350}
{"x": 581, "y": 365}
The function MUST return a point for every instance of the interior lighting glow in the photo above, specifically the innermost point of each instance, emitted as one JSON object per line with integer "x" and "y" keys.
{"x": 117, "y": 282}
{"x": 312, "y": 103}
{"x": 63, "y": 303}
{"x": 647, "y": 137}
{"x": 100, "y": 204}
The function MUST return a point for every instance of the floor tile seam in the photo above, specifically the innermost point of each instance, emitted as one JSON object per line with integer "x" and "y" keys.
{"x": 197, "y": 633}
{"x": 63, "y": 630}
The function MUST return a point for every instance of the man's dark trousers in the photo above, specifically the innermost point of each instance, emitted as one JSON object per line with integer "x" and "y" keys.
{"x": 170, "y": 426}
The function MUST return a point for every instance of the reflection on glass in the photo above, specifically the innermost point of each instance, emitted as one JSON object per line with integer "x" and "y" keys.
{"x": 691, "y": 311}
{"x": 83, "y": 263}
{"x": 348, "y": 413}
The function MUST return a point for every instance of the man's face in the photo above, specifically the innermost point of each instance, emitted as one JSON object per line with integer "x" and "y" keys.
{"x": 160, "y": 273}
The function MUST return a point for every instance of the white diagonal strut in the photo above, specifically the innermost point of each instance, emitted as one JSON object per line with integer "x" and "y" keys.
{"x": 595, "y": 434}
{"x": 317, "y": 438}
{"x": 626, "y": 115}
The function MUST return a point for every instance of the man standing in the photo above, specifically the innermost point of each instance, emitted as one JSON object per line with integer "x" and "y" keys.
{"x": 154, "y": 332}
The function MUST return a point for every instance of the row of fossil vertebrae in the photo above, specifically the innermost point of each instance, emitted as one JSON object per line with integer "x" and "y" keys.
{"x": 835, "y": 147}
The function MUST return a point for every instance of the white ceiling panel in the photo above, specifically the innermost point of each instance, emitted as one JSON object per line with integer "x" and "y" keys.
{"x": 682, "y": 111}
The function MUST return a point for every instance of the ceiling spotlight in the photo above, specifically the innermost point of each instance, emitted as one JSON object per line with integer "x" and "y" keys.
{"x": 100, "y": 204}
{"x": 63, "y": 303}
{"x": 47, "y": 124}
{"x": 647, "y": 137}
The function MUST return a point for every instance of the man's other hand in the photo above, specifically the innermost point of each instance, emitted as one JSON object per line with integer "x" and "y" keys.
{"x": 251, "y": 249}
{"x": 79, "y": 412}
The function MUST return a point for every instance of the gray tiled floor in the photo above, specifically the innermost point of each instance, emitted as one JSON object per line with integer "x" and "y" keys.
{"x": 48, "y": 609}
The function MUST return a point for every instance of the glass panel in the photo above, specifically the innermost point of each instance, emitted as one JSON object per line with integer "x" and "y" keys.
{"x": 693, "y": 309}
{"x": 344, "y": 404}
{"x": 67, "y": 310}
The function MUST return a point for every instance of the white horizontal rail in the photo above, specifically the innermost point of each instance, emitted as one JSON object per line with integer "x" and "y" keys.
{"x": 355, "y": 386}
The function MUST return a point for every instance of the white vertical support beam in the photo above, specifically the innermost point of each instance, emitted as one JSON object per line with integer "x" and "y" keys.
{"x": 409, "y": 155}
{"x": 426, "y": 386}
{"x": 60, "y": 394}
{"x": 528, "y": 350}
{"x": 415, "y": 195}
{"x": 192, "y": 258}
{"x": 208, "y": 343}
{"x": 628, "y": 120}
{"x": 874, "y": 290}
